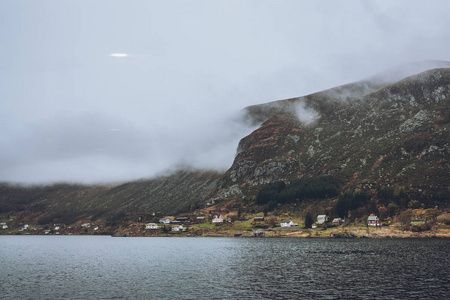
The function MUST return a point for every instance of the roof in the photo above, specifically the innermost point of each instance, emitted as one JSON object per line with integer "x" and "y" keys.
{"x": 372, "y": 218}
{"x": 322, "y": 216}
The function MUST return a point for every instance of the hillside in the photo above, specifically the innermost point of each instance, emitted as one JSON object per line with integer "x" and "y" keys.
{"x": 367, "y": 136}
{"x": 372, "y": 147}
{"x": 65, "y": 203}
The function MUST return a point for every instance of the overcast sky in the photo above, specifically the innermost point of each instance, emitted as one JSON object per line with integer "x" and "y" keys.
{"x": 101, "y": 91}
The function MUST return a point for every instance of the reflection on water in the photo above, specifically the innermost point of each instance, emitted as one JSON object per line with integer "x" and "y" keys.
{"x": 91, "y": 267}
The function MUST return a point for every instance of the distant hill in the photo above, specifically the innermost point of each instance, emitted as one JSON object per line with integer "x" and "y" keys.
{"x": 66, "y": 203}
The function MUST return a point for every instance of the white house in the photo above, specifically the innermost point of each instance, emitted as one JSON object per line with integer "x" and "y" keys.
{"x": 177, "y": 228}
{"x": 337, "y": 221}
{"x": 287, "y": 223}
{"x": 5, "y": 226}
{"x": 164, "y": 221}
{"x": 217, "y": 219}
{"x": 56, "y": 227}
{"x": 151, "y": 226}
{"x": 322, "y": 219}
{"x": 86, "y": 225}
{"x": 373, "y": 221}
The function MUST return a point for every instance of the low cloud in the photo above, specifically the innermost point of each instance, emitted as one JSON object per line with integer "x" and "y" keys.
{"x": 304, "y": 114}
{"x": 85, "y": 149}
{"x": 137, "y": 88}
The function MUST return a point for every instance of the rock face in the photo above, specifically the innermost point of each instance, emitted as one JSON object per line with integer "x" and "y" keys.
{"x": 366, "y": 134}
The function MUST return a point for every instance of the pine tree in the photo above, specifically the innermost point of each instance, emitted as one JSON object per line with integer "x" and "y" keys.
{"x": 308, "y": 220}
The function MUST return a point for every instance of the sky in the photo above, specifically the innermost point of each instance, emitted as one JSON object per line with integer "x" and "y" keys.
{"x": 111, "y": 91}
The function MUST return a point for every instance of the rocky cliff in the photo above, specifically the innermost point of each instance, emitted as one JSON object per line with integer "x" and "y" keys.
{"x": 366, "y": 134}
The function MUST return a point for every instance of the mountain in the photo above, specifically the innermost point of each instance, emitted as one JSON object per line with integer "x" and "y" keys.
{"x": 379, "y": 146}
{"x": 367, "y": 135}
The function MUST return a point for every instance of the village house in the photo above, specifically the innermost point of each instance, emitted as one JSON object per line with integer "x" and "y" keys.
{"x": 178, "y": 228}
{"x": 4, "y": 226}
{"x": 337, "y": 221}
{"x": 217, "y": 219}
{"x": 200, "y": 219}
{"x": 321, "y": 219}
{"x": 258, "y": 219}
{"x": 287, "y": 223}
{"x": 418, "y": 222}
{"x": 86, "y": 225}
{"x": 151, "y": 226}
{"x": 182, "y": 219}
{"x": 373, "y": 221}
{"x": 259, "y": 233}
{"x": 164, "y": 221}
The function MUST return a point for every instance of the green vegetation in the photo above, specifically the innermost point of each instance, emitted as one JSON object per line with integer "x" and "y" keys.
{"x": 350, "y": 201}
{"x": 296, "y": 191}
{"x": 308, "y": 220}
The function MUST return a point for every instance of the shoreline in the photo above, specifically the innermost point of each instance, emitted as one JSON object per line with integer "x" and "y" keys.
{"x": 349, "y": 233}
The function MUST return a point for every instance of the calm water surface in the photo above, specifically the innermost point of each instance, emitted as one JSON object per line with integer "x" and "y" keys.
{"x": 93, "y": 267}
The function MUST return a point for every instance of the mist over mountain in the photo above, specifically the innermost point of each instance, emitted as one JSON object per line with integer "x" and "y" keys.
{"x": 386, "y": 139}
{"x": 366, "y": 134}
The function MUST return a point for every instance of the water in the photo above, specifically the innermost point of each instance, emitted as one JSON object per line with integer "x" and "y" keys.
{"x": 100, "y": 267}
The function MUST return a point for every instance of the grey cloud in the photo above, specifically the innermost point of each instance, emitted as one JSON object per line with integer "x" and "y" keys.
{"x": 192, "y": 67}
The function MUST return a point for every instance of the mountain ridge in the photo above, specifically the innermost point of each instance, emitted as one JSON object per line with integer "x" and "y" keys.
{"x": 384, "y": 143}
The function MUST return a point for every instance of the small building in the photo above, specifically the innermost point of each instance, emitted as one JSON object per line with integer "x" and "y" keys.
{"x": 86, "y": 225}
{"x": 96, "y": 228}
{"x": 177, "y": 228}
{"x": 182, "y": 219}
{"x": 287, "y": 223}
{"x": 4, "y": 226}
{"x": 337, "y": 221}
{"x": 25, "y": 226}
{"x": 164, "y": 221}
{"x": 259, "y": 233}
{"x": 373, "y": 221}
{"x": 151, "y": 226}
{"x": 321, "y": 219}
{"x": 200, "y": 219}
{"x": 258, "y": 219}
{"x": 418, "y": 222}
{"x": 56, "y": 227}
{"x": 217, "y": 219}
